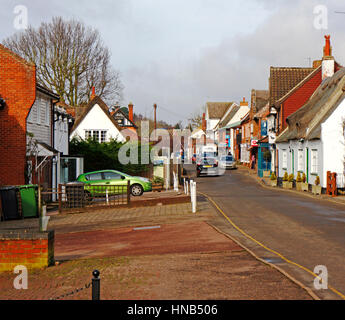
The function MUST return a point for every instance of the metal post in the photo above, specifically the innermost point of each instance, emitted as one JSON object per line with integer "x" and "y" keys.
{"x": 96, "y": 285}
{"x": 128, "y": 192}
{"x": 40, "y": 208}
{"x": 60, "y": 197}
{"x": 194, "y": 198}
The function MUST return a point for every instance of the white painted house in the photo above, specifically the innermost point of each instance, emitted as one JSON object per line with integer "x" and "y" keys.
{"x": 314, "y": 141}
{"x": 97, "y": 123}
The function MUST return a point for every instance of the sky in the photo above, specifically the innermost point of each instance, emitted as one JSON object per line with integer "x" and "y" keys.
{"x": 181, "y": 54}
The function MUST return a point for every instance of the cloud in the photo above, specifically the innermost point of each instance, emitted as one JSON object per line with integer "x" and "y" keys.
{"x": 241, "y": 62}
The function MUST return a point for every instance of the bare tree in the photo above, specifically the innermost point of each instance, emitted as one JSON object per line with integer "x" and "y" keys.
{"x": 70, "y": 58}
{"x": 196, "y": 118}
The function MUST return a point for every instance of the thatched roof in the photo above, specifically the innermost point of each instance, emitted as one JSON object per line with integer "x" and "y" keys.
{"x": 306, "y": 122}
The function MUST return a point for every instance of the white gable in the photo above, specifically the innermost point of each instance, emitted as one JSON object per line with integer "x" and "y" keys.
{"x": 95, "y": 120}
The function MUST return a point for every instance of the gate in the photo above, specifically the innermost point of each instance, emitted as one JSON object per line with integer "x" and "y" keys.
{"x": 82, "y": 197}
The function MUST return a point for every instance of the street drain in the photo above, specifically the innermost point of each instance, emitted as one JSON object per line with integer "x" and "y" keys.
{"x": 273, "y": 260}
{"x": 146, "y": 228}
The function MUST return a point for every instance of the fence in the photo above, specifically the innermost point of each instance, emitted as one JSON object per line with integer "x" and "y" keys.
{"x": 83, "y": 197}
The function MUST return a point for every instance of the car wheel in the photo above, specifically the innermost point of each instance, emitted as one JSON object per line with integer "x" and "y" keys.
{"x": 137, "y": 190}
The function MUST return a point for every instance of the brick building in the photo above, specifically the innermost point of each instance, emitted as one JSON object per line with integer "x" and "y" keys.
{"x": 18, "y": 91}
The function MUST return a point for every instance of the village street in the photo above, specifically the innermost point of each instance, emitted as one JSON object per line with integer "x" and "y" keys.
{"x": 306, "y": 231}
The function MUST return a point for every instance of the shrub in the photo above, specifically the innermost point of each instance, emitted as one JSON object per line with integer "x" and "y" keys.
{"x": 304, "y": 178}
{"x": 317, "y": 181}
{"x": 291, "y": 177}
{"x": 158, "y": 180}
{"x": 273, "y": 176}
{"x": 286, "y": 177}
{"x": 299, "y": 178}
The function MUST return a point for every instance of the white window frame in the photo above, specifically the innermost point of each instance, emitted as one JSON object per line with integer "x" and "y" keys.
{"x": 314, "y": 161}
{"x": 300, "y": 160}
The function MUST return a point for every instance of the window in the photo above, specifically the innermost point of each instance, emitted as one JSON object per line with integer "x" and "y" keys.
{"x": 103, "y": 136}
{"x": 314, "y": 161}
{"x": 88, "y": 134}
{"x": 284, "y": 159}
{"x": 95, "y": 135}
{"x": 112, "y": 176}
{"x": 300, "y": 160}
{"x": 94, "y": 177}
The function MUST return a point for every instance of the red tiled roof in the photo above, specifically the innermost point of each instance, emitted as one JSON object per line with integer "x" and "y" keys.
{"x": 283, "y": 79}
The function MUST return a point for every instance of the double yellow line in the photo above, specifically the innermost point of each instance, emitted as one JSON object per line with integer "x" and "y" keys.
{"x": 268, "y": 249}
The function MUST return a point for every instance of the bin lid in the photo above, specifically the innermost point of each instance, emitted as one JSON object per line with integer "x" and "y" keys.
{"x": 28, "y": 186}
{"x": 8, "y": 188}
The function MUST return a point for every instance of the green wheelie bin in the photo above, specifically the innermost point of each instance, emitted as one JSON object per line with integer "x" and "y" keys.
{"x": 29, "y": 201}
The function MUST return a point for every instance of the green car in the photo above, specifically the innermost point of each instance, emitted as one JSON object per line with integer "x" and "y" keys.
{"x": 138, "y": 185}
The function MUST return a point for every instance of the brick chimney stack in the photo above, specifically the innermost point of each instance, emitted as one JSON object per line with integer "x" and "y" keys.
{"x": 328, "y": 63}
{"x": 130, "y": 111}
{"x": 93, "y": 94}
{"x": 204, "y": 122}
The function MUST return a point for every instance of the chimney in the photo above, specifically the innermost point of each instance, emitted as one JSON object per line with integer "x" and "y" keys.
{"x": 130, "y": 111}
{"x": 93, "y": 94}
{"x": 244, "y": 103}
{"x": 328, "y": 63}
{"x": 204, "y": 122}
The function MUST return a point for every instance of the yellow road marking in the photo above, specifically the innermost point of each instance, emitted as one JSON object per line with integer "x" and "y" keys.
{"x": 268, "y": 249}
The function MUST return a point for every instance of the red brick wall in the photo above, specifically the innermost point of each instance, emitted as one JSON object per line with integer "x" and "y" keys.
{"x": 31, "y": 253}
{"x": 300, "y": 97}
{"x": 18, "y": 88}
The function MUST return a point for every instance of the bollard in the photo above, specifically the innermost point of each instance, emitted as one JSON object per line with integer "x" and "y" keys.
{"x": 96, "y": 285}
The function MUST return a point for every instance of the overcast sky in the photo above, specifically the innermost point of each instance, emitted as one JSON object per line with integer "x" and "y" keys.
{"x": 182, "y": 53}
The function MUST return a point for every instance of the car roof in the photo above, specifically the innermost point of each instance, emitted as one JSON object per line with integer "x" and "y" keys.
{"x": 101, "y": 171}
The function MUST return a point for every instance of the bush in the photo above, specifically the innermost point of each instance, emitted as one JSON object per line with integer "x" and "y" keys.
{"x": 273, "y": 176}
{"x": 317, "y": 181}
{"x": 299, "y": 177}
{"x": 304, "y": 178}
{"x": 291, "y": 177}
{"x": 286, "y": 177}
{"x": 158, "y": 180}
{"x": 104, "y": 156}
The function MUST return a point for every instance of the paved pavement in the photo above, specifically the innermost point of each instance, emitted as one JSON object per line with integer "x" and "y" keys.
{"x": 305, "y": 230}
{"x": 185, "y": 259}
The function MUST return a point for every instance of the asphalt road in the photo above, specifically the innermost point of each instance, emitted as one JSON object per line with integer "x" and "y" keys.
{"x": 307, "y": 231}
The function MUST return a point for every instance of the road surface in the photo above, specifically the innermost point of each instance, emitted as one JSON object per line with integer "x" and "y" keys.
{"x": 307, "y": 231}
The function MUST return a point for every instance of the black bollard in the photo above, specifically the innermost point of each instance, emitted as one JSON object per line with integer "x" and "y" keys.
{"x": 96, "y": 285}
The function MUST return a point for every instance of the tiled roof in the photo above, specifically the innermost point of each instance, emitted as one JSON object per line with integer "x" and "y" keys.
{"x": 306, "y": 122}
{"x": 259, "y": 99}
{"x": 228, "y": 118}
{"x": 92, "y": 103}
{"x": 216, "y": 110}
{"x": 283, "y": 79}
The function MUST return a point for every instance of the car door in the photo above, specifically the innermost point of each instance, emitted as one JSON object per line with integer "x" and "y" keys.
{"x": 94, "y": 183}
{"x": 114, "y": 178}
